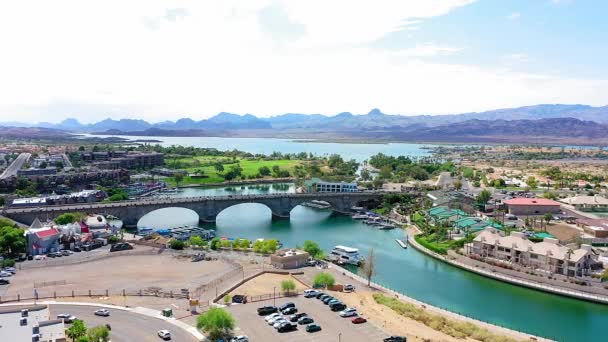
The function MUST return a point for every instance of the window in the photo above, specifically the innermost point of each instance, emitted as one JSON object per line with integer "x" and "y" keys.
{"x": 533, "y": 256}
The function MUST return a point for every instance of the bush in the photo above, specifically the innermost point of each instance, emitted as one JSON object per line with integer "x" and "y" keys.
{"x": 113, "y": 239}
{"x": 288, "y": 285}
{"x": 215, "y": 244}
{"x": 323, "y": 279}
{"x": 216, "y": 322}
{"x": 8, "y": 263}
{"x": 431, "y": 245}
{"x": 177, "y": 244}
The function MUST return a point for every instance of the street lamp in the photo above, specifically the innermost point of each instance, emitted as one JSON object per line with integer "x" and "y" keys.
{"x": 274, "y": 298}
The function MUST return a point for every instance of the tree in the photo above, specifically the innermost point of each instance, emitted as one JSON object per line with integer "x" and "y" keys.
{"x": 218, "y": 167}
{"x": 323, "y": 279}
{"x": 484, "y": 196}
{"x": 65, "y": 218}
{"x": 43, "y": 165}
{"x": 77, "y": 330}
{"x": 457, "y": 184}
{"x": 369, "y": 266}
{"x": 216, "y": 322}
{"x": 2, "y": 201}
{"x": 264, "y": 171}
{"x": 365, "y": 175}
{"x": 532, "y": 182}
{"x": 100, "y": 333}
{"x": 227, "y": 299}
{"x": 288, "y": 285}
{"x": 385, "y": 172}
{"x": 547, "y": 217}
{"x": 313, "y": 249}
{"x": 178, "y": 177}
{"x": 196, "y": 241}
{"x": 12, "y": 240}
{"x": 177, "y": 244}
{"x": 215, "y": 244}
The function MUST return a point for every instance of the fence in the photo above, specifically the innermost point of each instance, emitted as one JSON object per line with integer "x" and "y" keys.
{"x": 269, "y": 296}
{"x": 80, "y": 258}
{"x": 150, "y": 292}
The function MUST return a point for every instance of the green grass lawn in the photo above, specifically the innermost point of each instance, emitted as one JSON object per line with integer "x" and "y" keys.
{"x": 250, "y": 167}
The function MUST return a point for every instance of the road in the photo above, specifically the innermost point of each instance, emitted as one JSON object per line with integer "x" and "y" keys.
{"x": 126, "y": 326}
{"x": 15, "y": 166}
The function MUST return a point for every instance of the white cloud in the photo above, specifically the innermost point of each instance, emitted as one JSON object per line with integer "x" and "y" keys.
{"x": 71, "y": 58}
{"x": 514, "y": 16}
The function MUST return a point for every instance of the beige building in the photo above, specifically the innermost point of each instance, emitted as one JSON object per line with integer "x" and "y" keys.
{"x": 30, "y": 323}
{"x": 587, "y": 203}
{"x": 289, "y": 258}
{"x": 548, "y": 255}
{"x": 532, "y": 206}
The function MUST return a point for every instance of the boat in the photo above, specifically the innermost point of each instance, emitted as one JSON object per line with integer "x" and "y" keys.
{"x": 401, "y": 243}
{"x": 386, "y": 225}
{"x": 360, "y": 217}
{"x": 374, "y": 221}
{"x": 317, "y": 204}
{"x": 345, "y": 255}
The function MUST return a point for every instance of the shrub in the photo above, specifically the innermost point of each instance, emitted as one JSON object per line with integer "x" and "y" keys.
{"x": 113, "y": 239}
{"x": 288, "y": 285}
{"x": 323, "y": 279}
{"x": 8, "y": 263}
{"x": 216, "y": 323}
{"x": 177, "y": 244}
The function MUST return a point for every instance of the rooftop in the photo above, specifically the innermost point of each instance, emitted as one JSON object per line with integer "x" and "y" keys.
{"x": 531, "y": 201}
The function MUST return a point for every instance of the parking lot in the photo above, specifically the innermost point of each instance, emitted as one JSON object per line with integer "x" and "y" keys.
{"x": 334, "y": 327}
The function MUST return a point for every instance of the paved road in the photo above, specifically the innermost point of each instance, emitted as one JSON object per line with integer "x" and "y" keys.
{"x": 12, "y": 169}
{"x": 126, "y": 326}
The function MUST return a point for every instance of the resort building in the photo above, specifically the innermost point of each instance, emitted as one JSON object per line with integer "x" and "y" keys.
{"x": 318, "y": 185}
{"x": 532, "y": 206}
{"x": 289, "y": 258}
{"x": 587, "y": 203}
{"x": 548, "y": 255}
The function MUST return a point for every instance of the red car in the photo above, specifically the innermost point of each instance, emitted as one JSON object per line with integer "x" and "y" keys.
{"x": 358, "y": 320}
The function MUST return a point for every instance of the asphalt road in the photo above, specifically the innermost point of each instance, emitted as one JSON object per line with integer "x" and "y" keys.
{"x": 126, "y": 326}
{"x": 12, "y": 169}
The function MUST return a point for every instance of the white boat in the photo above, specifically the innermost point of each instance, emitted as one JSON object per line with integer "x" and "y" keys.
{"x": 401, "y": 243}
{"x": 386, "y": 225}
{"x": 346, "y": 255}
{"x": 317, "y": 204}
{"x": 360, "y": 217}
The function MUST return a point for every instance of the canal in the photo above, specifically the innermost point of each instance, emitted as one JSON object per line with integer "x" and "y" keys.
{"x": 424, "y": 278}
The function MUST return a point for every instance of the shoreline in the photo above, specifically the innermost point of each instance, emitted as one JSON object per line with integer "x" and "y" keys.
{"x": 235, "y": 183}
{"x": 510, "y": 280}
{"x": 434, "y": 309}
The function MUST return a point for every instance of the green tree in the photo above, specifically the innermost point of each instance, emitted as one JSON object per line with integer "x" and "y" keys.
{"x": 215, "y": 244}
{"x": 99, "y": 333}
{"x": 313, "y": 249}
{"x": 264, "y": 171}
{"x": 196, "y": 241}
{"x": 65, "y": 218}
{"x": 178, "y": 177}
{"x": 532, "y": 182}
{"x": 484, "y": 196}
{"x": 288, "y": 285}
{"x": 547, "y": 217}
{"x": 12, "y": 240}
{"x": 177, "y": 244}
{"x": 43, "y": 165}
{"x": 323, "y": 279}
{"x": 218, "y": 167}
{"x": 216, "y": 322}
{"x": 386, "y": 172}
{"x": 77, "y": 330}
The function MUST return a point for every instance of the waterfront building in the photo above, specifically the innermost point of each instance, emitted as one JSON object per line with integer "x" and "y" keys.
{"x": 587, "y": 203}
{"x": 289, "y": 258}
{"x": 85, "y": 196}
{"x": 318, "y": 185}
{"x": 547, "y": 255}
{"x": 532, "y": 206}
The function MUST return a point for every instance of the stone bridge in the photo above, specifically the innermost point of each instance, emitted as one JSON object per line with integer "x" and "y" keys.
{"x": 207, "y": 207}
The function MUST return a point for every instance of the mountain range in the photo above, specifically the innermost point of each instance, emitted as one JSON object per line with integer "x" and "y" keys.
{"x": 547, "y": 123}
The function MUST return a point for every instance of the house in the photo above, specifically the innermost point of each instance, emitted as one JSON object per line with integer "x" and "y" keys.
{"x": 547, "y": 255}
{"x": 289, "y": 258}
{"x": 42, "y": 240}
{"x": 23, "y": 322}
{"x": 597, "y": 228}
{"x": 318, "y": 185}
{"x": 532, "y": 206}
{"x": 587, "y": 203}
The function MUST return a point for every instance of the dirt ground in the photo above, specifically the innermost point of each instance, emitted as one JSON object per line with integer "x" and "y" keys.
{"x": 389, "y": 320}
{"x": 264, "y": 284}
{"x": 563, "y": 231}
{"x": 130, "y": 273}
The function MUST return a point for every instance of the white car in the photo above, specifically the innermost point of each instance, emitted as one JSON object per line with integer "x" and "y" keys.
{"x": 278, "y": 323}
{"x": 348, "y": 288}
{"x": 4, "y": 274}
{"x": 40, "y": 257}
{"x": 240, "y": 338}
{"x": 164, "y": 334}
{"x": 276, "y": 319}
{"x": 67, "y": 318}
{"x": 350, "y": 312}
{"x": 102, "y": 312}
{"x": 310, "y": 293}
{"x": 271, "y": 316}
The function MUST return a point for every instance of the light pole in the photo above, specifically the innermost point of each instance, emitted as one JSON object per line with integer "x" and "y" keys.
{"x": 274, "y": 298}
{"x": 339, "y": 337}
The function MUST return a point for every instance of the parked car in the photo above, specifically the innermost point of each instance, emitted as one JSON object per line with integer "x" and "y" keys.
{"x": 10, "y": 270}
{"x": 287, "y": 305}
{"x": 348, "y": 288}
{"x": 305, "y": 320}
{"x": 349, "y": 312}
{"x": 310, "y": 293}
{"x": 289, "y": 311}
{"x": 322, "y": 297}
{"x": 395, "y": 339}
{"x": 67, "y": 318}
{"x": 320, "y": 294}
{"x": 271, "y": 316}
{"x": 266, "y": 310}
{"x": 313, "y": 327}
{"x": 102, "y": 312}
{"x": 279, "y": 322}
{"x": 123, "y": 246}
{"x": 287, "y": 327}
{"x": 296, "y": 317}
{"x": 4, "y": 274}
{"x": 164, "y": 334}
{"x": 66, "y": 252}
{"x": 239, "y": 299}
{"x": 327, "y": 300}
{"x": 358, "y": 320}
{"x": 4, "y": 281}
{"x": 39, "y": 257}
{"x": 333, "y": 301}
{"x": 277, "y": 319}
{"x": 337, "y": 307}
{"x": 240, "y": 338}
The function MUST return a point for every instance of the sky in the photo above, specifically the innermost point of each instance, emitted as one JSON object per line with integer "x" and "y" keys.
{"x": 164, "y": 60}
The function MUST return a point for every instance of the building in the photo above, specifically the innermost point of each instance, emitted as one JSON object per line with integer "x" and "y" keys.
{"x": 400, "y": 187}
{"x": 595, "y": 227}
{"x": 85, "y": 196}
{"x": 440, "y": 215}
{"x": 587, "y": 203}
{"x": 37, "y": 172}
{"x": 289, "y": 258}
{"x": 318, "y": 185}
{"x": 532, "y": 206}
{"x": 548, "y": 255}
{"x": 41, "y": 240}
{"x": 124, "y": 160}
{"x": 30, "y": 323}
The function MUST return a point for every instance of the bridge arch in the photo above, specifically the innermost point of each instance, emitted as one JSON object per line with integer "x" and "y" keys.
{"x": 168, "y": 217}
{"x": 250, "y": 213}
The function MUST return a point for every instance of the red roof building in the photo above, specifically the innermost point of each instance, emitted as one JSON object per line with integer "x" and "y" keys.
{"x": 532, "y": 206}
{"x": 43, "y": 234}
